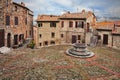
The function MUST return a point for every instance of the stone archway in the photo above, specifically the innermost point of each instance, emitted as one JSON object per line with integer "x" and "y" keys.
{"x": 9, "y": 40}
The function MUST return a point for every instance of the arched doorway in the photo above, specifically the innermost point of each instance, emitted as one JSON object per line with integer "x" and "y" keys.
{"x": 2, "y": 37}
{"x": 9, "y": 40}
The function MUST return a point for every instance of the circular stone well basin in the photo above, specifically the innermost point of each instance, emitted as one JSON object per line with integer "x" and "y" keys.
{"x": 80, "y": 50}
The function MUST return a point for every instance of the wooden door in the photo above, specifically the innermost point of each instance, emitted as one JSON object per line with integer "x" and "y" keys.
{"x": 15, "y": 39}
{"x": 105, "y": 39}
{"x": 9, "y": 40}
{"x": 2, "y": 37}
{"x": 74, "y": 38}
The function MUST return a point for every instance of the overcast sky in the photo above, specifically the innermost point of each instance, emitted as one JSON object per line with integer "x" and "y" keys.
{"x": 102, "y": 8}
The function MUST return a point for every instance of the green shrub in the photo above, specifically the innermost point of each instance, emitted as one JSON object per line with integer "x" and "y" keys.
{"x": 32, "y": 44}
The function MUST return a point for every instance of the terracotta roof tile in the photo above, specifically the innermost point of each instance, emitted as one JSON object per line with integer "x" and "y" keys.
{"x": 76, "y": 15}
{"x": 47, "y": 18}
{"x": 105, "y": 25}
{"x": 117, "y": 22}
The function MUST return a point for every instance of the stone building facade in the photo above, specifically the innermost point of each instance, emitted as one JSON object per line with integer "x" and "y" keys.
{"x": 35, "y": 36}
{"x": 68, "y": 28}
{"x": 109, "y": 33}
{"x": 116, "y": 35}
{"x": 104, "y": 32}
{"x": 77, "y": 27}
{"x": 48, "y": 30}
{"x": 16, "y": 23}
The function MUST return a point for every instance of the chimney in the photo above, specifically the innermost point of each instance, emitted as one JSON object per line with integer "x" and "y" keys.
{"x": 68, "y": 12}
{"x": 89, "y": 12}
{"x": 83, "y": 11}
{"x": 22, "y": 3}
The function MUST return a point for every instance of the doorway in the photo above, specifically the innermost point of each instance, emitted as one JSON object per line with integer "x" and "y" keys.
{"x": 15, "y": 39}
{"x": 2, "y": 37}
{"x": 105, "y": 39}
{"x": 74, "y": 38}
{"x": 9, "y": 40}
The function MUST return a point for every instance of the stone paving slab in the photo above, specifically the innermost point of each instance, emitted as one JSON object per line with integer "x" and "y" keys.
{"x": 52, "y": 63}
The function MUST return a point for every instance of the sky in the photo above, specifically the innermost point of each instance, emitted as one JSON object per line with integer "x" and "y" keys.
{"x": 103, "y": 9}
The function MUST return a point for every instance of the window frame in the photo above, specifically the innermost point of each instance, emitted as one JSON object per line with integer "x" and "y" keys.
{"x": 40, "y": 35}
{"x": 53, "y": 24}
{"x": 62, "y": 35}
{"x": 70, "y": 24}
{"x": 62, "y": 24}
{"x": 40, "y": 24}
{"x": 16, "y": 20}
{"x": 52, "y": 34}
{"x": 79, "y": 37}
{"x": 7, "y": 20}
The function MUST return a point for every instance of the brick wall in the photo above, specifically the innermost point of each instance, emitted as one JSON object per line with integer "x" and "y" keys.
{"x": 19, "y": 16}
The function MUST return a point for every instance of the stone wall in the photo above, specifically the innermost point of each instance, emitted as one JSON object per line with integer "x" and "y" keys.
{"x": 68, "y": 31}
{"x": 25, "y": 22}
{"x": 116, "y": 41}
{"x": 44, "y": 33}
{"x": 101, "y": 33}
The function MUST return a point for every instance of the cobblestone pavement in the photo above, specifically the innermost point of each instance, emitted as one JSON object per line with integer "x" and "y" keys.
{"x": 51, "y": 63}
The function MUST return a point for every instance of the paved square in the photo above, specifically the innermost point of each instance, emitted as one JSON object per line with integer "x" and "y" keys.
{"x": 51, "y": 63}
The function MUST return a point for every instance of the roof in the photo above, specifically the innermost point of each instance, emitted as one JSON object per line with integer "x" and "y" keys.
{"x": 117, "y": 23}
{"x": 47, "y": 18}
{"x": 78, "y": 15}
{"x": 107, "y": 25}
{"x": 19, "y": 4}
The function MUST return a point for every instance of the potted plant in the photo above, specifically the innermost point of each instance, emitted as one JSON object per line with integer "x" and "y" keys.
{"x": 32, "y": 44}
{"x": 83, "y": 40}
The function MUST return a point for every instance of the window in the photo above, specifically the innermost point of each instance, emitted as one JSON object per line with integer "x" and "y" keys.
{"x": 7, "y": 3}
{"x": 26, "y": 21}
{"x": 70, "y": 24}
{"x": 40, "y": 44}
{"x": 39, "y": 24}
{"x": 53, "y": 24}
{"x": 46, "y": 43}
{"x": 62, "y": 24}
{"x": 52, "y": 34}
{"x": 99, "y": 37}
{"x": 82, "y": 24}
{"x": 88, "y": 27}
{"x": 79, "y": 24}
{"x": 15, "y": 8}
{"x": 62, "y": 35}
{"x": 16, "y": 20}
{"x": 40, "y": 35}
{"x": 52, "y": 42}
{"x": 30, "y": 32}
{"x": 7, "y": 20}
{"x": 76, "y": 24}
{"x": 79, "y": 37}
